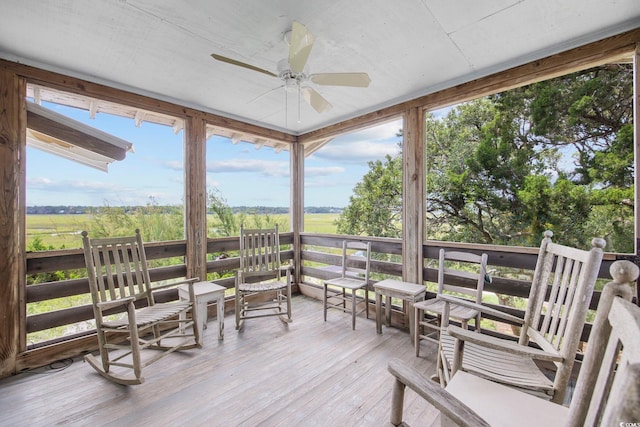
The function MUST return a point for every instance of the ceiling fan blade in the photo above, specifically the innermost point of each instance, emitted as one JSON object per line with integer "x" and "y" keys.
{"x": 299, "y": 47}
{"x": 242, "y": 64}
{"x": 341, "y": 79}
{"x": 316, "y": 100}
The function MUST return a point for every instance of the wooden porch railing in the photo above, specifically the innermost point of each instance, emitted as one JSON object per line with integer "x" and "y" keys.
{"x": 319, "y": 252}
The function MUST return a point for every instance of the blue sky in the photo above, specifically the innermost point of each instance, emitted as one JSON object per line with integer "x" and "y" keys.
{"x": 243, "y": 174}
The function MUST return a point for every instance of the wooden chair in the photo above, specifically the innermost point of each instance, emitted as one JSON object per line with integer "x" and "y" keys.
{"x": 352, "y": 277}
{"x": 606, "y": 393}
{"x": 261, "y": 273}
{"x": 561, "y": 291}
{"x": 431, "y": 326}
{"x": 128, "y": 320}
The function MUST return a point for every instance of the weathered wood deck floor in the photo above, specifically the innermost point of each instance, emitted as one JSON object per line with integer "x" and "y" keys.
{"x": 307, "y": 373}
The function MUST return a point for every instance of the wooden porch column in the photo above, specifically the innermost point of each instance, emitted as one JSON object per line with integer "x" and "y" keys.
{"x": 296, "y": 215}
{"x": 13, "y": 121}
{"x": 412, "y": 195}
{"x": 195, "y": 160}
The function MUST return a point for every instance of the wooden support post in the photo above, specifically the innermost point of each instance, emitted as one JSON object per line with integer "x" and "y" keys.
{"x": 297, "y": 205}
{"x": 195, "y": 159}
{"x": 13, "y": 121}
{"x": 412, "y": 195}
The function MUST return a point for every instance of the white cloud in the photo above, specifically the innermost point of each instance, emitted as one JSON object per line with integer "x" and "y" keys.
{"x": 360, "y": 147}
{"x": 264, "y": 167}
{"x": 384, "y": 132}
{"x": 357, "y": 151}
{"x": 39, "y": 182}
{"x": 174, "y": 165}
{"x": 66, "y": 186}
{"x": 323, "y": 171}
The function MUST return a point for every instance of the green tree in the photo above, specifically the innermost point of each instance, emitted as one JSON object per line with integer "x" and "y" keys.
{"x": 497, "y": 173}
{"x": 375, "y": 208}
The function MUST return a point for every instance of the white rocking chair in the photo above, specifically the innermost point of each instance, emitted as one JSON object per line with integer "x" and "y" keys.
{"x": 128, "y": 320}
{"x": 607, "y": 392}
{"x": 261, "y": 273}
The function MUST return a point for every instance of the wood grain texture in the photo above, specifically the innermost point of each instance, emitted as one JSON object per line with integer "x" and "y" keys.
{"x": 413, "y": 195}
{"x": 12, "y": 203}
{"x": 195, "y": 191}
{"x": 308, "y": 372}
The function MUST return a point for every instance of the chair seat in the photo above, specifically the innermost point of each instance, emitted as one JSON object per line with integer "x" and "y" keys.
{"x": 346, "y": 282}
{"x": 262, "y": 286}
{"x": 437, "y": 306}
{"x": 152, "y": 314}
{"x": 500, "y": 366}
{"x": 500, "y": 405}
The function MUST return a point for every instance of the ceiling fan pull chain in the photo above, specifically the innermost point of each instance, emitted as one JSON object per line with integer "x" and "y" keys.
{"x": 298, "y": 102}
{"x": 286, "y": 109}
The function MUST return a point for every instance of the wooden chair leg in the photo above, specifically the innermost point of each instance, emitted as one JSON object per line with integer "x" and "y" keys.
{"x": 366, "y": 300}
{"x": 397, "y": 402}
{"x": 324, "y": 302}
{"x": 418, "y": 315}
{"x": 353, "y": 309}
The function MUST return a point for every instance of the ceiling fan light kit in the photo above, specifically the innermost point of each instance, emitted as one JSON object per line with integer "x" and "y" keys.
{"x": 293, "y": 71}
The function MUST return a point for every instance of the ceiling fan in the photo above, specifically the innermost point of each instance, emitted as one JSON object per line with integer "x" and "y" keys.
{"x": 293, "y": 73}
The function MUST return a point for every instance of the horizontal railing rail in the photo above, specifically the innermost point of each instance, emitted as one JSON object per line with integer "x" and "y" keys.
{"x": 320, "y": 260}
{"x": 319, "y": 254}
{"x": 73, "y": 259}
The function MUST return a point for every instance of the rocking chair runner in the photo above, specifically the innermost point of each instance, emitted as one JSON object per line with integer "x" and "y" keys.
{"x": 561, "y": 291}
{"x": 261, "y": 273}
{"x": 118, "y": 279}
{"x": 607, "y": 391}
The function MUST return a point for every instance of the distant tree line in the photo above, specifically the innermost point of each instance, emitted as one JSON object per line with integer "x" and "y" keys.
{"x": 256, "y": 210}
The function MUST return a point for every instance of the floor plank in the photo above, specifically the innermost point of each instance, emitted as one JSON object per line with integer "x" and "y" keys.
{"x": 306, "y": 373}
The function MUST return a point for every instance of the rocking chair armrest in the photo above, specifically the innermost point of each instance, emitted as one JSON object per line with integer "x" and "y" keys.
{"x": 446, "y": 403}
{"x": 174, "y": 284}
{"x": 106, "y": 305}
{"x": 481, "y": 308}
{"x": 502, "y": 345}
{"x": 287, "y": 270}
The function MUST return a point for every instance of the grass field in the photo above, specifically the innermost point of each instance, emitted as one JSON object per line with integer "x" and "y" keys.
{"x": 58, "y": 230}
{"x": 63, "y": 231}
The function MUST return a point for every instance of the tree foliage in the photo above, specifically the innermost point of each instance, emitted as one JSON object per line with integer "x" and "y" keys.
{"x": 497, "y": 169}
{"x": 375, "y": 208}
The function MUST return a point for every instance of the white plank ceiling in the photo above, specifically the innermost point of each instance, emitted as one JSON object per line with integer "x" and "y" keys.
{"x": 409, "y": 48}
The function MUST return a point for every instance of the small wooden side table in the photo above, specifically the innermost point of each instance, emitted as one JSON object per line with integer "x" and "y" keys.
{"x": 205, "y": 292}
{"x": 409, "y": 292}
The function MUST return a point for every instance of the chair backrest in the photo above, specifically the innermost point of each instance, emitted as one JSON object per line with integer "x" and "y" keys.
{"x": 356, "y": 259}
{"x": 117, "y": 268}
{"x": 561, "y": 291}
{"x": 608, "y": 388}
{"x": 477, "y": 262}
{"x": 260, "y": 252}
